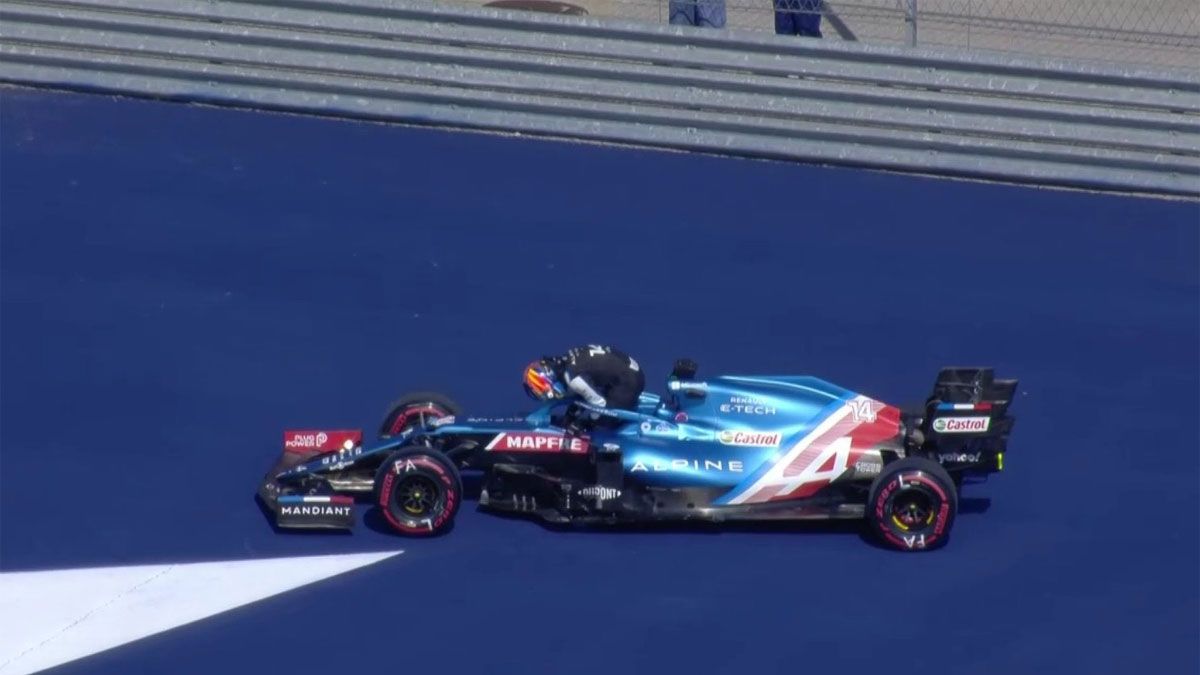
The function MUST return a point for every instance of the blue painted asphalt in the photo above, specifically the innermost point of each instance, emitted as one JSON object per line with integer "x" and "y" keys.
{"x": 179, "y": 284}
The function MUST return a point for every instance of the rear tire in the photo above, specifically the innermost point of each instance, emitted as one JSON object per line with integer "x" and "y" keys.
{"x": 419, "y": 491}
{"x": 912, "y": 505}
{"x": 414, "y": 409}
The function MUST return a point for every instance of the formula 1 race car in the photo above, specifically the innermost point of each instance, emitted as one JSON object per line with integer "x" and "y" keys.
{"x": 722, "y": 449}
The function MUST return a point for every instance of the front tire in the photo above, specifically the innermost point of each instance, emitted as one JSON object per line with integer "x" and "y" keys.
{"x": 419, "y": 491}
{"x": 912, "y": 505}
{"x": 415, "y": 409}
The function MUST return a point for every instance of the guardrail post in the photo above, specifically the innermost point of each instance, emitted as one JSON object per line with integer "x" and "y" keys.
{"x": 910, "y": 17}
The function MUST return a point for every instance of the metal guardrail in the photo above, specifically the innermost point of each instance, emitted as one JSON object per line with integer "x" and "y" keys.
{"x": 927, "y": 111}
{"x": 1163, "y": 33}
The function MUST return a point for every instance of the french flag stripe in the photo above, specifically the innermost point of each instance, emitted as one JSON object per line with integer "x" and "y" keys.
{"x": 315, "y": 499}
{"x": 965, "y": 406}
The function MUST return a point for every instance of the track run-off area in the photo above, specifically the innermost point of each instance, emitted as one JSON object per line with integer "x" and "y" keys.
{"x": 182, "y": 283}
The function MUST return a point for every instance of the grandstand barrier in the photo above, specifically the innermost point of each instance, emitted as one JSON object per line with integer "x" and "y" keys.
{"x": 935, "y": 111}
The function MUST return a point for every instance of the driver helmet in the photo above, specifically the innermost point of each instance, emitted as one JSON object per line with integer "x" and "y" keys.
{"x": 541, "y": 382}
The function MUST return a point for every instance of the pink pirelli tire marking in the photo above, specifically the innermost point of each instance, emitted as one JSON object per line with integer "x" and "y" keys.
{"x": 419, "y": 493}
{"x": 913, "y": 504}
{"x": 402, "y": 419}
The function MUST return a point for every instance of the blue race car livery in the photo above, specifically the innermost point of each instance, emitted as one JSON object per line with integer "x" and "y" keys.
{"x": 732, "y": 447}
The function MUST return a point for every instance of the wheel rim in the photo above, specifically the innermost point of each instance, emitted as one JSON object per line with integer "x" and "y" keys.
{"x": 417, "y": 496}
{"x": 913, "y": 509}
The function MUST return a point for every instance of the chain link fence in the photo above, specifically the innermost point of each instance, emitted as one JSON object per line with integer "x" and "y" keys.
{"x": 1164, "y": 33}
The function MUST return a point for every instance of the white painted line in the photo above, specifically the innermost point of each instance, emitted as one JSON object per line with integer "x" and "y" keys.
{"x": 50, "y": 617}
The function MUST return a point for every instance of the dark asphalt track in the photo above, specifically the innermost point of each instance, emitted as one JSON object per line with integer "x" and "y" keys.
{"x": 181, "y": 283}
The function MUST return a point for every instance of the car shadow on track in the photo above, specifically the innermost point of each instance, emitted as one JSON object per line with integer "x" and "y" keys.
{"x": 472, "y": 485}
{"x": 374, "y": 520}
{"x": 973, "y": 505}
{"x": 822, "y": 528}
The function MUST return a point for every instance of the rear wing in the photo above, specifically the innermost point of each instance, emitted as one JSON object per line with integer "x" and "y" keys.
{"x": 966, "y": 418}
{"x": 974, "y": 386}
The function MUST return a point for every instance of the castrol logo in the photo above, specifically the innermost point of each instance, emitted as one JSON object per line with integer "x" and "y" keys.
{"x": 961, "y": 425}
{"x": 759, "y": 439}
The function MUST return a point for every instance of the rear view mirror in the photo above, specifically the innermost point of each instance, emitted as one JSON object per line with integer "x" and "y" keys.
{"x": 685, "y": 369}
